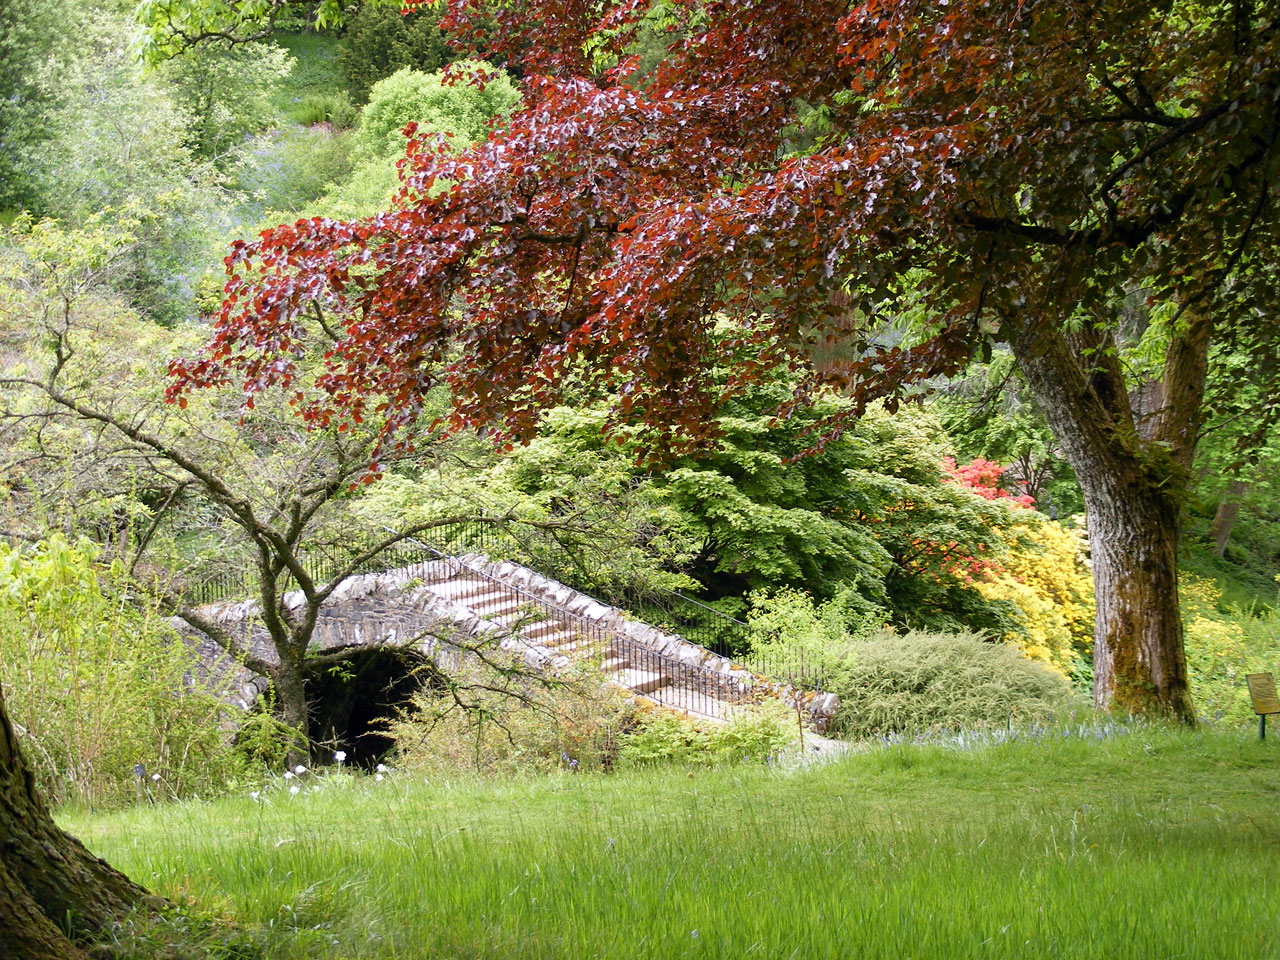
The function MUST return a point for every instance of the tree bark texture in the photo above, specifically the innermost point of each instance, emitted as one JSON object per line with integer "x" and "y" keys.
{"x": 1225, "y": 519}
{"x": 290, "y": 687}
{"x": 52, "y": 890}
{"x": 1138, "y": 655}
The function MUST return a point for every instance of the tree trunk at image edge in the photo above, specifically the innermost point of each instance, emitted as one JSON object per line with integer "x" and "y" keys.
{"x": 52, "y": 890}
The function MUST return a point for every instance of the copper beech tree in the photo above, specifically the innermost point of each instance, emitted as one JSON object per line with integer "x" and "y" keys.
{"x": 1009, "y": 170}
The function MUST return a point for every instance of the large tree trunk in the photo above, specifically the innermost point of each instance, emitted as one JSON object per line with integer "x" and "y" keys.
{"x": 1138, "y": 657}
{"x": 1225, "y": 518}
{"x": 1133, "y": 474}
{"x": 50, "y": 885}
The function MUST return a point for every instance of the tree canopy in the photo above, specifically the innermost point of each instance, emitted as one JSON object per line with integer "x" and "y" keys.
{"x": 1012, "y": 171}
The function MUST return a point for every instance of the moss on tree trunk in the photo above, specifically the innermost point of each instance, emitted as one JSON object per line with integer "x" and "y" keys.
{"x": 52, "y": 890}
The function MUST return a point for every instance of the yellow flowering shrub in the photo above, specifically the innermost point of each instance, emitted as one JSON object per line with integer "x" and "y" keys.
{"x": 1047, "y": 580}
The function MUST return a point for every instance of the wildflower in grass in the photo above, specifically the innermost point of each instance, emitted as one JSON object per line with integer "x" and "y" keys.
{"x": 288, "y": 774}
{"x": 340, "y": 757}
{"x": 378, "y": 778}
{"x": 381, "y": 768}
{"x": 155, "y": 778}
{"x": 299, "y": 769}
{"x": 255, "y": 795}
{"x": 293, "y": 791}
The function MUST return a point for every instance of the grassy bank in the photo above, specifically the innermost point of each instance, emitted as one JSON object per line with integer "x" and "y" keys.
{"x": 1149, "y": 844}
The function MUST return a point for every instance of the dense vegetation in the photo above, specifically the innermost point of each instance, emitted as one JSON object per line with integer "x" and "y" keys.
{"x": 929, "y": 556}
{"x": 128, "y": 182}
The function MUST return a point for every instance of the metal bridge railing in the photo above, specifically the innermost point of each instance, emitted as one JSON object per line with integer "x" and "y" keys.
{"x": 506, "y": 539}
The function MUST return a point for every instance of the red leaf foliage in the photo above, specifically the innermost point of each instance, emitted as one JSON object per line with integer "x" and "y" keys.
{"x": 987, "y": 160}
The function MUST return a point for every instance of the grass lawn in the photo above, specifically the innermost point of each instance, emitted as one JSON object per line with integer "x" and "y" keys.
{"x": 1150, "y": 844}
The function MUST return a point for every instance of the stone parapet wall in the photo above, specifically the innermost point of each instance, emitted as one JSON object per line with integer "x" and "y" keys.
{"x": 399, "y": 607}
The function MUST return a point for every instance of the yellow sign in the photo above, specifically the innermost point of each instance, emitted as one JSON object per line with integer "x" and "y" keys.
{"x": 1262, "y": 690}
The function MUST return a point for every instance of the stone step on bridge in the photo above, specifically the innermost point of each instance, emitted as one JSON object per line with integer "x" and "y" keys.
{"x": 442, "y": 606}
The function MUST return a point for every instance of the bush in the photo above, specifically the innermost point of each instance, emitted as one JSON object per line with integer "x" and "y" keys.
{"x": 753, "y": 735}
{"x": 332, "y": 108}
{"x": 523, "y": 729}
{"x": 1222, "y": 648}
{"x": 461, "y": 109}
{"x": 920, "y": 681}
{"x": 96, "y": 686}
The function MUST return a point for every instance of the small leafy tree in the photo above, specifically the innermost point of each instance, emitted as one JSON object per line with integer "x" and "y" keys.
{"x": 226, "y": 94}
{"x": 83, "y": 405}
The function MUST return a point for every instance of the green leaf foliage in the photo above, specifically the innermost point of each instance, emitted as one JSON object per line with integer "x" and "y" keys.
{"x": 462, "y": 110}
{"x": 97, "y": 686}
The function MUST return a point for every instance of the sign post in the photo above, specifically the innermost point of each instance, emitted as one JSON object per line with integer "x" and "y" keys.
{"x": 1262, "y": 691}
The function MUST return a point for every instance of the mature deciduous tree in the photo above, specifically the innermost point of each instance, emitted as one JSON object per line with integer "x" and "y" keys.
{"x": 83, "y": 420}
{"x": 1015, "y": 169}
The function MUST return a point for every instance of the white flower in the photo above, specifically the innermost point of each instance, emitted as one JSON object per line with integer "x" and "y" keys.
{"x": 378, "y": 777}
{"x": 340, "y": 756}
{"x": 381, "y": 768}
{"x": 293, "y": 791}
{"x": 155, "y": 777}
{"x": 288, "y": 774}
{"x": 255, "y": 795}
{"x": 299, "y": 769}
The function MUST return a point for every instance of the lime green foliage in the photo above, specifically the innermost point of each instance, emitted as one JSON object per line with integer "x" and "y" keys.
{"x": 367, "y": 184}
{"x": 97, "y": 686}
{"x": 921, "y": 681}
{"x": 1223, "y": 646}
{"x": 503, "y": 729}
{"x": 461, "y": 110}
{"x": 379, "y": 40}
{"x": 166, "y": 24}
{"x": 1009, "y": 852}
{"x": 799, "y": 635}
{"x": 756, "y": 734}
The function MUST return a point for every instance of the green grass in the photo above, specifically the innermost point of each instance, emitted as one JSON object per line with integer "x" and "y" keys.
{"x": 1155, "y": 844}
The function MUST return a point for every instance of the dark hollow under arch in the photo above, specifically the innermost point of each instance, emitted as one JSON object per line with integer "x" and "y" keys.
{"x": 351, "y": 702}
